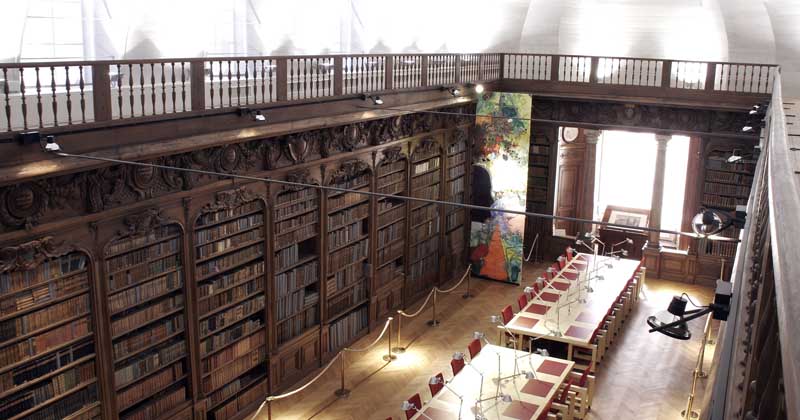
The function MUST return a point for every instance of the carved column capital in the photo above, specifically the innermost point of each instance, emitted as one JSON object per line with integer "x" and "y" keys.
{"x": 592, "y": 136}
{"x": 662, "y": 140}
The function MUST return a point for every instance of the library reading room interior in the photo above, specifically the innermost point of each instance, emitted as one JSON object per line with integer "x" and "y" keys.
{"x": 400, "y": 210}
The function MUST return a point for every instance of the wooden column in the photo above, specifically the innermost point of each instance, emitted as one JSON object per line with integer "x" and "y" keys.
{"x": 586, "y": 210}
{"x": 658, "y": 190}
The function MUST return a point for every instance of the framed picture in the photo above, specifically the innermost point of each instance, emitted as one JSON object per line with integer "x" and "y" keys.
{"x": 635, "y": 218}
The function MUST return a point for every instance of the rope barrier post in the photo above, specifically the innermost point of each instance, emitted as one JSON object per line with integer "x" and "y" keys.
{"x": 467, "y": 294}
{"x": 389, "y": 357}
{"x": 434, "y": 322}
{"x": 269, "y": 408}
{"x": 399, "y": 349}
{"x": 342, "y": 392}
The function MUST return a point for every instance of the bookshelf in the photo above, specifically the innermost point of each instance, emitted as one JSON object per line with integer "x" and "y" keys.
{"x": 425, "y": 219}
{"x": 391, "y": 176}
{"x": 539, "y": 173}
{"x": 229, "y": 240}
{"x": 725, "y": 185}
{"x": 347, "y": 241}
{"x": 47, "y": 347}
{"x": 144, "y": 273}
{"x": 456, "y": 167}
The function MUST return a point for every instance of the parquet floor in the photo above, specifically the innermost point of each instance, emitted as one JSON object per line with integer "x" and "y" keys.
{"x": 644, "y": 376}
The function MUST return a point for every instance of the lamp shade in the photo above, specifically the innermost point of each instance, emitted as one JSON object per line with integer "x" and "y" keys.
{"x": 677, "y": 306}
{"x": 707, "y": 222}
{"x": 679, "y": 331}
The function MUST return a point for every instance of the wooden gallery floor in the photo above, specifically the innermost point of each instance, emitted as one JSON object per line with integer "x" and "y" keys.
{"x": 645, "y": 376}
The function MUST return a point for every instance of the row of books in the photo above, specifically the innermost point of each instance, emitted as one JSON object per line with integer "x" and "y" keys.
{"x": 298, "y": 235}
{"x": 539, "y": 160}
{"x": 42, "y": 318}
{"x": 130, "y": 259}
{"x": 290, "y": 305}
{"x": 454, "y": 220}
{"x": 295, "y": 326}
{"x": 388, "y": 273}
{"x": 293, "y": 223}
{"x": 456, "y": 198}
{"x": 345, "y": 200}
{"x": 393, "y": 189}
{"x": 40, "y": 367}
{"x": 234, "y": 369}
{"x": 391, "y": 252}
{"x": 538, "y": 171}
{"x": 722, "y": 249}
{"x": 220, "y": 283}
{"x": 286, "y": 198}
{"x": 540, "y": 149}
{"x": 455, "y": 171}
{"x": 13, "y": 281}
{"x": 226, "y": 337}
{"x": 342, "y": 218}
{"x": 145, "y": 292}
{"x": 235, "y": 386}
{"x": 127, "y": 244}
{"x": 344, "y": 278}
{"x": 391, "y": 212}
{"x": 287, "y": 257}
{"x": 62, "y": 408}
{"x": 388, "y": 168}
{"x": 355, "y": 182}
{"x": 43, "y": 293}
{"x": 133, "y": 320}
{"x": 343, "y": 330}
{"x": 149, "y": 361}
{"x": 426, "y": 166}
{"x": 47, "y": 389}
{"x": 396, "y": 177}
{"x": 233, "y": 352}
{"x": 216, "y": 232}
{"x": 345, "y": 300}
{"x": 225, "y": 214}
{"x": 124, "y": 279}
{"x": 232, "y": 315}
{"x": 455, "y": 240}
{"x": 424, "y": 248}
{"x": 423, "y": 214}
{"x": 391, "y": 233}
{"x": 419, "y": 269}
{"x": 431, "y": 193}
{"x": 240, "y": 403}
{"x": 135, "y": 343}
{"x": 158, "y": 406}
{"x": 729, "y": 177}
{"x": 727, "y": 189}
{"x": 455, "y": 160}
{"x": 538, "y": 194}
{"x": 45, "y": 341}
{"x": 347, "y": 234}
{"x": 455, "y": 186}
{"x": 230, "y": 260}
{"x": 424, "y": 230}
{"x": 216, "y": 248}
{"x": 301, "y": 276}
{"x": 721, "y": 164}
{"x": 425, "y": 180}
{"x": 131, "y": 395}
{"x": 420, "y": 155}
{"x": 348, "y": 255}
{"x": 723, "y": 202}
{"x": 303, "y": 207}
{"x": 456, "y": 147}
{"x": 231, "y": 295}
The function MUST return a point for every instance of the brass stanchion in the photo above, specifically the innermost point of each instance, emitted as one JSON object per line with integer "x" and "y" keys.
{"x": 389, "y": 357}
{"x": 399, "y": 349}
{"x": 269, "y": 409}
{"x": 688, "y": 413}
{"x": 706, "y": 334}
{"x": 342, "y": 392}
{"x": 433, "y": 322}
{"x": 467, "y": 294}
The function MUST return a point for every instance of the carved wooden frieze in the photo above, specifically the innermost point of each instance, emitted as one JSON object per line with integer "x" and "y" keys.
{"x": 426, "y": 147}
{"x": 30, "y": 254}
{"x": 22, "y": 205}
{"x": 348, "y": 170}
{"x": 228, "y": 200}
{"x": 391, "y": 155}
{"x": 301, "y": 177}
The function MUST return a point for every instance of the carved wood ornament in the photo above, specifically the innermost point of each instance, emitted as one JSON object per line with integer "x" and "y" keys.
{"x": 303, "y": 177}
{"x": 349, "y": 170}
{"x": 391, "y": 155}
{"x": 230, "y": 199}
{"x": 30, "y": 254}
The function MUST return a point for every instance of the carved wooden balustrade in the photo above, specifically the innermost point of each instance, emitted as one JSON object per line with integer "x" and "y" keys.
{"x": 57, "y": 94}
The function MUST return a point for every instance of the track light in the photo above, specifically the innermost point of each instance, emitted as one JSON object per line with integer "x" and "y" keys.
{"x": 51, "y": 145}
{"x": 747, "y": 128}
{"x": 455, "y": 91}
{"x": 506, "y": 398}
{"x": 540, "y": 282}
{"x": 528, "y": 290}
{"x": 376, "y": 100}
{"x": 458, "y": 355}
{"x": 255, "y": 114}
{"x": 479, "y": 88}
{"x": 477, "y": 335}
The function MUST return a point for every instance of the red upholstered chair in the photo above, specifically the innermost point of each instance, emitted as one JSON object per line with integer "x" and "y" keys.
{"x": 547, "y": 276}
{"x": 546, "y": 411}
{"x": 562, "y": 262}
{"x": 570, "y": 253}
{"x": 435, "y": 388}
{"x": 563, "y": 404}
{"x": 522, "y": 301}
{"x": 508, "y": 314}
{"x": 456, "y": 365}
{"x": 474, "y": 348}
{"x": 556, "y": 267}
{"x": 417, "y": 403}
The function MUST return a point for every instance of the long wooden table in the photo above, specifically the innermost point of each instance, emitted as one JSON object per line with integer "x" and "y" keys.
{"x": 530, "y": 397}
{"x": 565, "y": 312}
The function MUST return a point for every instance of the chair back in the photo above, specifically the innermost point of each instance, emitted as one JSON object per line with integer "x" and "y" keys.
{"x": 508, "y": 314}
{"x": 546, "y": 411}
{"x": 565, "y": 393}
{"x": 522, "y": 301}
{"x": 562, "y": 262}
{"x": 474, "y": 348}
{"x": 437, "y": 387}
{"x": 585, "y": 376}
{"x": 417, "y": 403}
{"x": 456, "y": 365}
{"x": 569, "y": 253}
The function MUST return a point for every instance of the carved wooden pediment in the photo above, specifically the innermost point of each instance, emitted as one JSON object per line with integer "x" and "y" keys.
{"x": 302, "y": 177}
{"x": 426, "y": 147}
{"x": 30, "y": 254}
{"x": 391, "y": 155}
{"x": 349, "y": 170}
{"x": 229, "y": 199}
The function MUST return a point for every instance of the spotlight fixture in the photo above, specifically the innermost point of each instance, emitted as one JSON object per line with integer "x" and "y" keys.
{"x": 436, "y": 380}
{"x": 258, "y": 116}
{"x": 672, "y": 322}
{"x": 479, "y": 88}
{"x": 376, "y": 100}
{"x": 50, "y": 144}
{"x": 458, "y": 355}
{"x": 506, "y": 398}
{"x": 477, "y": 335}
{"x": 255, "y": 114}
{"x": 453, "y": 90}
{"x": 528, "y": 290}
{"x": 735, "y": 156}
{"x": 754, "y": 110}
{"x": 540, "y": 282}
{"x": 408, "y": 405}
{"x": 543, "y": 352}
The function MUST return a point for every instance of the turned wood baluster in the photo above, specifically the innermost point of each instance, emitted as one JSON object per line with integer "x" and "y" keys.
{"x": 230, "y": 85}
{"x": 8, "y": 104}
{"x": 119, "y": 91}
{"x": 153, "y": 87}
{"x": 183, "y": 86}
{"x": 141, "y": 87}
{"x": 221, "y": 91}
{"x": 24, "y": 105}
{"x": 39, "y": 97}
{"x": 131, "y": 98}
{"x": 272, "y": 64}
{"x": 238, "y": 83}
{"x": 263, "y": 82}
{"x": 211, "y": 82}
{"x": 69, "y": 98}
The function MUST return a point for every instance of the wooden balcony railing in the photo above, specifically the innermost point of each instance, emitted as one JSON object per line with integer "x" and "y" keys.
{"x": 57, "y": 94}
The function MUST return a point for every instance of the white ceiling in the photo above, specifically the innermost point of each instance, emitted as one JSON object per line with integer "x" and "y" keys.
{"x": 729, "y": 30}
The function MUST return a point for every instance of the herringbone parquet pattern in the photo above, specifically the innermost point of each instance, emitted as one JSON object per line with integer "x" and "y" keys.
{"x": 644, "y": 376}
